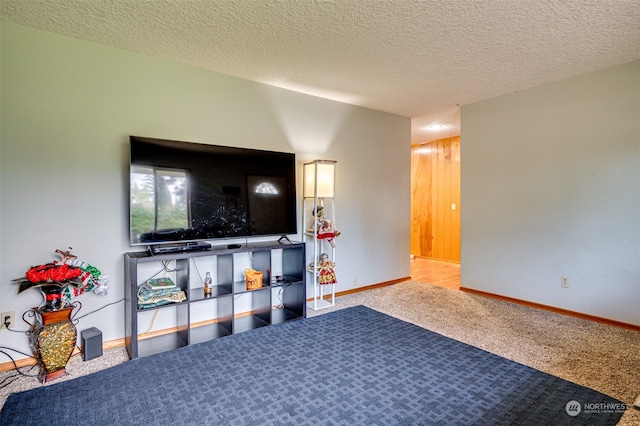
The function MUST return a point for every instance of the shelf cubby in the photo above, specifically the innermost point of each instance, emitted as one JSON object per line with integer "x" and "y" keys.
{"x": 229, "y": 309}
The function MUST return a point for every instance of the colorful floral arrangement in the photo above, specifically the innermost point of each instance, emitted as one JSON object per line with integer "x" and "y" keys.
{"x": 52, "y": 272}
{"x": 67, "y": 278}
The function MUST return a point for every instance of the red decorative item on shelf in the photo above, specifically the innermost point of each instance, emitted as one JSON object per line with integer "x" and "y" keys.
{"x": 326, "y": 274}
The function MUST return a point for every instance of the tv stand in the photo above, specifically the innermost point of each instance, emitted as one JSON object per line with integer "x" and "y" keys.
{"x": 284, "y": 237}
{"x": 227, "y": 308}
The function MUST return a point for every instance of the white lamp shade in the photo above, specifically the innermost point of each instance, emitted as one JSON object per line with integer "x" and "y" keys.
{"x": 325, "y": 173}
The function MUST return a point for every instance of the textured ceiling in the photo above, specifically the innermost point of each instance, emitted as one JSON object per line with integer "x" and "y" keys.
{"x": 417, "y": 58}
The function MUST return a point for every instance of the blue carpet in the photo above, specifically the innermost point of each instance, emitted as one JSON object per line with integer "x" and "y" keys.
{"x": 355, "y": 366}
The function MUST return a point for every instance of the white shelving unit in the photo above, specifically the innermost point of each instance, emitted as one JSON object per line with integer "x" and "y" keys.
{"x": 319, "y": 195}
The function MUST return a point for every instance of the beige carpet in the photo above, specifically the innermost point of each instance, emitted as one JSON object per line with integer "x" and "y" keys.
{"x": 598, "y": 356}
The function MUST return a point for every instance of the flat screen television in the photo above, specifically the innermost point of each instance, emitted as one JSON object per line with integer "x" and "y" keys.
{"x": 185, "y": 192}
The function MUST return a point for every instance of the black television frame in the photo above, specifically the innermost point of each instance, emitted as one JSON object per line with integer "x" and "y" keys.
{"x": 218, "y": 200}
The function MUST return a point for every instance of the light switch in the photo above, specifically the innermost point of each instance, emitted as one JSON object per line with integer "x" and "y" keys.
{"x": 453, "y": 206}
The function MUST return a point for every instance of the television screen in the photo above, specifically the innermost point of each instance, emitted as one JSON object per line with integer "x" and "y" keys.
{"x": 185, "y": 191}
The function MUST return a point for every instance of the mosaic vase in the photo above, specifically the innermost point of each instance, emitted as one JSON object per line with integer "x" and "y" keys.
{"x": 52, "y": 338}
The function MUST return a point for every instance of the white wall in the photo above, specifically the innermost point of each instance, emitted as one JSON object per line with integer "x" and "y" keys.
{"x": 68, "y": 108}
{"x": 551, "y": 188}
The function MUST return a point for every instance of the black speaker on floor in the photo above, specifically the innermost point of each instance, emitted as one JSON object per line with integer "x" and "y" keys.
{"x": 91, "y": 343}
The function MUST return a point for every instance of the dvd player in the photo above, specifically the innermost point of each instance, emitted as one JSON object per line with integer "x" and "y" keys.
{"x": 177, "y": 248}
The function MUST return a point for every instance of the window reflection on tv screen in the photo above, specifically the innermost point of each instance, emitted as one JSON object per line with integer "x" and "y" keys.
{"x": 183, "y": 191}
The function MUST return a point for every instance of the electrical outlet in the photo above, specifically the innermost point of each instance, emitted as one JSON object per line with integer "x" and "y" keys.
{"x": 564, "y": 282}
{"x": 10, "y": 317}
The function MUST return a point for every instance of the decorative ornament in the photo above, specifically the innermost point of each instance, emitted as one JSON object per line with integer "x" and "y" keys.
{"x": 325, "y": 229}
{"x": 52, "y": 338}
{"x": 326, "y": 273}
{"x": 63, "y": 280}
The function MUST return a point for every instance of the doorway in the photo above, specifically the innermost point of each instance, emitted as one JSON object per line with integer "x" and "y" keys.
{"x": 436, "y": 272}
{"x": 435, "y": 211}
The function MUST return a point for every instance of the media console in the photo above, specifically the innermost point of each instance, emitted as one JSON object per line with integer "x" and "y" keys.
{"x": 229, "y": 309}
{"x": 176, "y": 248}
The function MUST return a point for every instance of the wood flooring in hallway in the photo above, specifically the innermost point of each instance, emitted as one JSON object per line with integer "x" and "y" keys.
{"x": 435, "y": 272}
